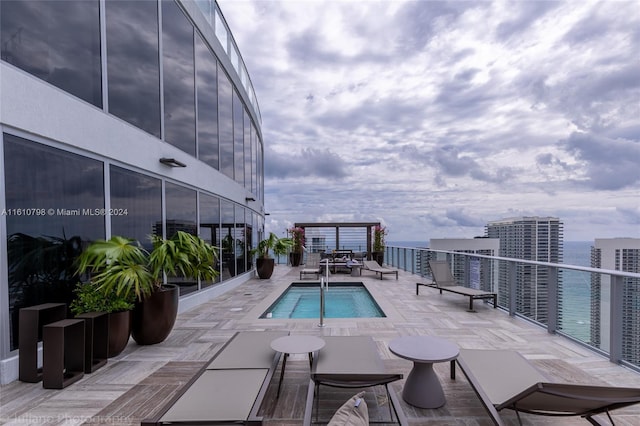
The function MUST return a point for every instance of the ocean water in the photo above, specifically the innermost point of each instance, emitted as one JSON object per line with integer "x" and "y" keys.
{"x": 576, "y": 291}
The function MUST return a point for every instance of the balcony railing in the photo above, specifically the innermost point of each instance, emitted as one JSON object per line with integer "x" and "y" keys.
{"x": 600, "y": 308}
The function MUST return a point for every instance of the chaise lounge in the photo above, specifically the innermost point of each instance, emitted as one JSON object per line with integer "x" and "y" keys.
{"x": 230, "y": 388}
{"x": 505, "y": 379}
{"x": 312, "y": 265}
{"x": 350, "y": 362}
{"x": 372, "y": 265}
{"x": 443, "y": 280}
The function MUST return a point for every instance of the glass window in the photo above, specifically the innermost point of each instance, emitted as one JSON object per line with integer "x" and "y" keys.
{"x": 58, "y": 42}
{"x": 247, "y": 151}
{"x": 53, "y": 210}
{"x": 241, "y": 238}
{"x": 228, "y": 240}
{"x": 210, "y": 227}
{"x": 238, "y": 138}
{"x": 225, "y": 123}
{"x": 137, "y": 200}
{"x": 207, "y": 84}
{"x": 178, "y": 66}
{"x": 133, "y": 63}
{"x": 181, "y": 207}
{"x": 254, "y": 161}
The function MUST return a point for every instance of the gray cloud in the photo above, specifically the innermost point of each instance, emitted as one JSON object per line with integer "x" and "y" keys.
{"x": 609, "y": 164}
{"x": 309, "y": 162}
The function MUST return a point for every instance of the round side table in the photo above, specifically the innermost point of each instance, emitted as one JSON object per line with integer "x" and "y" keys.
{"x": 422, "y": 387}
{"x": 296, "y": 344}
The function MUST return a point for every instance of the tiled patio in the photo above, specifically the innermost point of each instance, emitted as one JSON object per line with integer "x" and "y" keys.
{"x": 133, "y": 385}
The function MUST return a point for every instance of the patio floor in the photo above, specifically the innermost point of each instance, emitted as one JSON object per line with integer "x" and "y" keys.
{"x": 134, "y": 384}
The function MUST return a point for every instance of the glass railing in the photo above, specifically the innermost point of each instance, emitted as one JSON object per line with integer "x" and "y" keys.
{"x": 597, "y": 307}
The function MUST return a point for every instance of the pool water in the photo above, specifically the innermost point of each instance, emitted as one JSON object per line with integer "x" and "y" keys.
{"x": 341, "y": 301}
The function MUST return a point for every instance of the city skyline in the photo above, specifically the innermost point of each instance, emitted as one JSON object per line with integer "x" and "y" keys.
{"x": 438, "y": 117}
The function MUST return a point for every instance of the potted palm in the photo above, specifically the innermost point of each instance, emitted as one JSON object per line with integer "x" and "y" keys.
{"x": 123, "y": 266}
{"x": 377, "y": 254}
{"x": 297, "y": 237}
{"x": 90, "y": 299}
{"x": 264, "y": 262}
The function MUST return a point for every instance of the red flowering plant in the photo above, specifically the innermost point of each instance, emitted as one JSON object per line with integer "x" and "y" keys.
{"x": 379, "y": 233}
{"x": 297, "y": 236}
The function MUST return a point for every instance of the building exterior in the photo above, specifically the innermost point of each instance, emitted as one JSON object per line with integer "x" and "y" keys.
{"x": 620, "y": 254}
{"x": 529, "y": 238}
{"x": 122, "y": 118}
{"x": 475, "y": 273}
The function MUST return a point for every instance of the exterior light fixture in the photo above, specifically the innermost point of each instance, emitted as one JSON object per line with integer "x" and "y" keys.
{"x": 249, "y": 199}
{"x": 172, "y": 162}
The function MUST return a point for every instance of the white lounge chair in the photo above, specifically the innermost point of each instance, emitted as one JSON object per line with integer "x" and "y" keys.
{"x": 372, "y": 265}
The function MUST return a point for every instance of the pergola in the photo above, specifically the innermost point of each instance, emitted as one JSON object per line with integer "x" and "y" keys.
{"x": 338, "y": 226}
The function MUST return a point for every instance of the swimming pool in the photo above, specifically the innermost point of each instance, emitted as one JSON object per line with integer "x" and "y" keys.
{"x": 342, "y": 300}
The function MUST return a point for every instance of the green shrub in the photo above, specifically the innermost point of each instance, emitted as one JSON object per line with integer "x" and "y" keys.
{"x": 90, "y": 299}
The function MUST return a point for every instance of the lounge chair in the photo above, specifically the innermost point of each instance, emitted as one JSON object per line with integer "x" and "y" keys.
{"x": 372, "y": 265}
{"x": 443, "y": 280}
{"x": 230, "y": 388}
{"x": 350, "y": 362}
{"x": 312, "y": 265}
{"x": 505, "y": 379}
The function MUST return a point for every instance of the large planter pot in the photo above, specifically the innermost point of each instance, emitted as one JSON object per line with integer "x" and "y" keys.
{"x": 378, "y": 256}
{"x": 154, "y": 317}
{"x": 264, "y": 267}
{"x": 295, "y": 258}
{"x": 119, "y": 332}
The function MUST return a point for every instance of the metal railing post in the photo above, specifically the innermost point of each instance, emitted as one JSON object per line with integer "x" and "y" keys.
{"x": 615, "y": 326}
{"x": 552, "y": 300}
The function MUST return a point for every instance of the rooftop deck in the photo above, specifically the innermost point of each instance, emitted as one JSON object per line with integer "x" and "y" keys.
{"x": 134, "y": 384}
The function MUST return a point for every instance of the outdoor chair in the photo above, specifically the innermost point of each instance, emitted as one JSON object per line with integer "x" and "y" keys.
{"x": 312, "y": 265}
{"x": 230, "y": 388}
{"x": 350, "y": 362}
{"x": 505, "y": 379}
{"x": 444, "y": 280}
{"x": 372, "y": 265}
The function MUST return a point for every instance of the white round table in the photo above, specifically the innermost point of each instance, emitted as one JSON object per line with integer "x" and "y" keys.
{"x": 422, "y": 387}
{"x": 295, "y": 344}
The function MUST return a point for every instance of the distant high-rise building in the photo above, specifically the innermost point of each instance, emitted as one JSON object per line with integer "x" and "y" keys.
{"x": 529, "y": 238}
{"x": 473, "y": 272}
{"x": 620, "y": 254}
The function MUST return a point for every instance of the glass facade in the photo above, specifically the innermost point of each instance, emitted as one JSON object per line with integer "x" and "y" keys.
{"x": 151, "y": 69}
{"x": 178, "y": 78}
{"x": 53, "y": 209}
{"x": 133, "y": 63}
{"x": 58, "y": 42}
{"x": 136, "y": 201}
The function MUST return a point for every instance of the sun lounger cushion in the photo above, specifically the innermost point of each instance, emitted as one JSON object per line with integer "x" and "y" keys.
{"x": 220, "y": 395}
{"x": 351, "y": 361}
{"x": 354, "y": 412}
{"x": 247, "y": 349}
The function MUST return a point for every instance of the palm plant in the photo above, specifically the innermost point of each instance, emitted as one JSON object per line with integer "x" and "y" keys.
{"x": 121, "y": 265}
{"x": 278, "y": 246}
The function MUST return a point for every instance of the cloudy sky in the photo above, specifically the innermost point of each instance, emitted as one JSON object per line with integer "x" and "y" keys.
{"x": 437, "y": 117}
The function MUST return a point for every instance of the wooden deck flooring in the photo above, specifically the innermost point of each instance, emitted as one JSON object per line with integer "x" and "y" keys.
{"x": 137, "y": 382}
